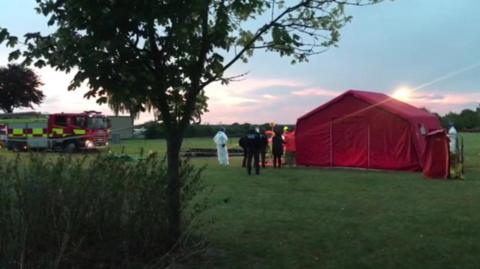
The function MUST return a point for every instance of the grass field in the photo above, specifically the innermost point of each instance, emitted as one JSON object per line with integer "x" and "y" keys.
{"x": 328, "y": 218}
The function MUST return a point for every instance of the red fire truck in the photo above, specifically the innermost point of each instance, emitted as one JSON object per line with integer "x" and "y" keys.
{"x": 66, "y": 132}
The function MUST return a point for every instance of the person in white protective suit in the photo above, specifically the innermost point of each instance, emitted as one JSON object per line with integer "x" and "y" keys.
{"x": 453, "y": 135}
{"x": 221, "y": 141}
{"x": 456, "y": 153}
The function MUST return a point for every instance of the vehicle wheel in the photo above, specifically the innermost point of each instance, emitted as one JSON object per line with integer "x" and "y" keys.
{"x": 17, "y": 147}
{"x": 9, "y": 146}
{"x": 70, "y": 148}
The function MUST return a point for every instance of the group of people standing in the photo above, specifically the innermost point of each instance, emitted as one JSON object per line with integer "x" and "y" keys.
{"x": 256, "y": 144}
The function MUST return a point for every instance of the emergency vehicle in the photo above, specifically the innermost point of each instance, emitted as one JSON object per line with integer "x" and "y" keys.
{"x": 2, "y": 136}
{"x": 66, "y": 132}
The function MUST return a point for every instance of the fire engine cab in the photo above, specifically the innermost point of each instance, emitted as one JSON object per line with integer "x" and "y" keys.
{"x": 66, "y": 132}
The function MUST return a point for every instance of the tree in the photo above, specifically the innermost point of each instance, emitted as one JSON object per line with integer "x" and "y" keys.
{"x": 470, "y": 119}
{"x": 19, "y": 87}
{"x": 467, "y": 119}
{"x": 170, "y": 50}
{"x": 121, "y": 105}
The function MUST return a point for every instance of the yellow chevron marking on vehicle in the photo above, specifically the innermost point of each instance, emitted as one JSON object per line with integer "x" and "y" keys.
{"x": 37, "y": 131}
{"x": 57, "y": 131}
{"x": 79, "y": 131}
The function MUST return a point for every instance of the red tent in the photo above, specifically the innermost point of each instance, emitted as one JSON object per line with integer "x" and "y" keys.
{"x": 366, "y": 130}
{"x": 437, "y": 155}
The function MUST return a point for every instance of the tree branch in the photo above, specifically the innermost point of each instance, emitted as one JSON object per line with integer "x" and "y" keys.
{"x": 257, "y": 35}
{"x": 159, "y": 68}
{"x": 195, "y": 89}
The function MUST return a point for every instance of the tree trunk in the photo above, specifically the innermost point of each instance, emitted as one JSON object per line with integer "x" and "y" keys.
{"x": 174, "y": 142}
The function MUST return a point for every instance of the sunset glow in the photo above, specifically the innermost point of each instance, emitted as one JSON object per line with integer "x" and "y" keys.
{"x": 274, "y": 90}
{"x": 403, "y": 94}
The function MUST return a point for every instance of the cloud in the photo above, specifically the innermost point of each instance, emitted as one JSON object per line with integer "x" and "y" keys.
{"x": 223, "y": 98}
{"x": 316, "y": 92}
{"x": 269, "y": 96}
{"x": 278, "y": 90}
{"x": 263, "y": 100}
{"x": 447, "y": 98}
{"x": 245, "y": 91}
{"x": 244, "y": 95}
{"x": 255, "y": 100}
{"x": 424, "y": 96}
{"x": 255, "y": 84}
{"x": 445, "y": 102}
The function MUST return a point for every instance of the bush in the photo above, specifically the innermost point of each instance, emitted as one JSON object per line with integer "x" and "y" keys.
{"x": 71, "y": 212}
{"x": 154, "y": 131}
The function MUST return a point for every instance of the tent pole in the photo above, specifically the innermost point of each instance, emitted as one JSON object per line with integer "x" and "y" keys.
{"x": 331, "y": 143}
{"x": 368, "y": 146}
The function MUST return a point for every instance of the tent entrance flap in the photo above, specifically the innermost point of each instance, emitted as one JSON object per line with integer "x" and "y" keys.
{"x": 350, "y": 142}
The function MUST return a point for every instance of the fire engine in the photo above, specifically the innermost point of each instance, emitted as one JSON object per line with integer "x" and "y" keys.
{"x": 66, "y": 132}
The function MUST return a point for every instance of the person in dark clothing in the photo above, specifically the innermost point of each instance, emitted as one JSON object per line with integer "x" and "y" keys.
{"x": 243, "y": 144}
{"x": 277, "y": 149}
{"x": 253, "y": 151}
{"x": 263, "y": 147}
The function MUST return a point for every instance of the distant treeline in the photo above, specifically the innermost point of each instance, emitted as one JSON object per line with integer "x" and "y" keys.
{"x": 467, "y": 120}
{"x": 156, "y": 130}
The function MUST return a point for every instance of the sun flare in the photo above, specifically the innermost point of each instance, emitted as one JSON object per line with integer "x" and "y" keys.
{"x": 402, "y": 94}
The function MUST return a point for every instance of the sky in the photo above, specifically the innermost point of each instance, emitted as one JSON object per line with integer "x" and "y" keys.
{"x": 425, "y": 52}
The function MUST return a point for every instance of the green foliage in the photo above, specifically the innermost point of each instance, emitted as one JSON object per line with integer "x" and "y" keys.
{"x": 306, "y": 217}
{"x": 345, "y": 218}
{"x": 69, "y": 212}
{"x": 336, "y": 218}
{"x": 157, "y": 130}
{"x": 154, "y": 131}
{"x": 11, "y": 41}
{"x": 467, "y": 120}
{"x": 19, "y": 87}
{"x": 24, "y": 121}
{"x": 162, "y": 54}
{"x": 122, "y": 105}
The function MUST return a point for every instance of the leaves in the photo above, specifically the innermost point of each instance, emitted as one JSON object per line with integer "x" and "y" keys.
{"x": 109, "y": 210}
{"x": 102, "y": 100}
{"x": 40, "y": 63}
{"x": 11, "y": 41}
{"x": 3, "y": 34}
{"x": 14, "y": 55}
{"x": 19, "y": 87}
{"x": 162, "y": 54}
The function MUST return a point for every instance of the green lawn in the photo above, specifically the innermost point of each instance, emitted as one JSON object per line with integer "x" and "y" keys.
{"x": 327, "y": 218}
{"x": 323, "y": 218}
{"x": 134, "y": 146}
